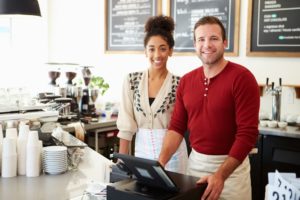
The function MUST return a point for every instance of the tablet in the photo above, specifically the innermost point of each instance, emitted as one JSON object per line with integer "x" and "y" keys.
{"x": 148, "y": 172}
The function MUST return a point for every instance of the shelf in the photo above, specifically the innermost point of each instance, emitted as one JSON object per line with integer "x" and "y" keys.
{"x": 297, "y": 89}
{"x": 261, "y": 89}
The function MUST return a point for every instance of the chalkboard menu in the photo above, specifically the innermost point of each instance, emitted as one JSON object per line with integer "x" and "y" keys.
{"x": 274, "y": 28}
{"x": 187, "y": 12}
{"x": 125, "y": 20}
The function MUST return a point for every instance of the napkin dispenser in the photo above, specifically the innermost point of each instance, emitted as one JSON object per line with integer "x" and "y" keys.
{"x": 130, "y": 189}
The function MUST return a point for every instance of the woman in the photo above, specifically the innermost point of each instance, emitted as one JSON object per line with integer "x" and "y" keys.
{"x": 149, "y": 96}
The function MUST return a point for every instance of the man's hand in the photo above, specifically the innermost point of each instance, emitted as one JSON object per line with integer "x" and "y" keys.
{"x": 215, "y": 182}
{"x": 215, "y": 185}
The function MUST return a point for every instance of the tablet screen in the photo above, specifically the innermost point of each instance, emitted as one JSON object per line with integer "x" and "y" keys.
{"x": 148, "y": 172}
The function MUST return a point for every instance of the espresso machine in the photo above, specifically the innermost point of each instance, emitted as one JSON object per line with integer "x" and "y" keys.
{"x": 64, "y": 96}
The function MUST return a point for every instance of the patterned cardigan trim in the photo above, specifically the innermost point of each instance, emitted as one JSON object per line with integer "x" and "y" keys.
{"x": 134, "y": 80}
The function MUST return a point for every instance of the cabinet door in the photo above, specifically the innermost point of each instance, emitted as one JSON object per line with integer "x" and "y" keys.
{"x": 280, "y": 153}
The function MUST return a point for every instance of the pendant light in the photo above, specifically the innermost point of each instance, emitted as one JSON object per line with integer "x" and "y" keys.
{"x": 19, "y": 7}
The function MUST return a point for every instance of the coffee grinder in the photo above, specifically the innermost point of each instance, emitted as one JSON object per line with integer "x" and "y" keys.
{"x": 85, "y": 99}
{"x": 54, "y": 74}
{"x": 70, "y": 71}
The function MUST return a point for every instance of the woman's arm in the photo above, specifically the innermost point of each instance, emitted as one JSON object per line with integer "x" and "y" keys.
{"x": 171, "y": 142}
{"x": 124, "y": 146}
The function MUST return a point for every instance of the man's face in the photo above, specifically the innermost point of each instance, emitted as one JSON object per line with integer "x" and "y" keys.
{"x": 209, "y": 44}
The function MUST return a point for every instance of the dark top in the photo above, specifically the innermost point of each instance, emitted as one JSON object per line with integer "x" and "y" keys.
{"x": 151, "y": 99}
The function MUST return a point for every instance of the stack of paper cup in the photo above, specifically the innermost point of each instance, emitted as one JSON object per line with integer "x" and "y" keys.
{"x": 33, "y": 155}
{"x": 11, "y": 124}
{"x": 11, "y": 133}
{"x": 9, "y": 158}
{"x": 21, "y": 148}
{"x": 1, "y": 142}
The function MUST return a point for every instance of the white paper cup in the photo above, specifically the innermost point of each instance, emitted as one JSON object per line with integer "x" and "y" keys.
{"x": 23, "y": 131}
{"x": 9, "y": 166}
{"x": 33, "y": 138}
{"x": 1, "y": 134}
{"x": 9, "y": 147}
{"x": 11, "y": 133}
{"x": 33, "y": 160}
{"x": 21, "y": 150}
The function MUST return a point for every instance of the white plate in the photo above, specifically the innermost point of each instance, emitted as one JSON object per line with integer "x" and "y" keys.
{"x": 55, "y": 164}
{"x": 54, "y": 148}
{"x": 55, "y": 156}
{"x": 55, "y": 168}
{"x": 55, "y": 172}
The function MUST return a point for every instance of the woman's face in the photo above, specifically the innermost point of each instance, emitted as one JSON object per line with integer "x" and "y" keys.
{"x": 158, "y": 51}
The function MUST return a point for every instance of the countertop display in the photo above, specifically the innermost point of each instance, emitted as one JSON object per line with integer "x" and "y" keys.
{"x": 70, "y": 185}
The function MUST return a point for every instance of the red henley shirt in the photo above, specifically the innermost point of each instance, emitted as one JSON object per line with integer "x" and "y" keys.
{"x": 222, "y": 114}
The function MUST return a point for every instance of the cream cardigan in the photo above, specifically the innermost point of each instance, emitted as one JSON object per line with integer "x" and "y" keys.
{"x": 135, "y": 111}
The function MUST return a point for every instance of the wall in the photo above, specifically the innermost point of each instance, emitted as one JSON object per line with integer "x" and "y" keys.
{"x": 73, "y": 30}
{"x": 23, "y": 49}
{"x": 76, "y": 34}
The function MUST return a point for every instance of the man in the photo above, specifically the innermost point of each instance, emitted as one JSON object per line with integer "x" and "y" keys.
{"x": 218, "y": 104}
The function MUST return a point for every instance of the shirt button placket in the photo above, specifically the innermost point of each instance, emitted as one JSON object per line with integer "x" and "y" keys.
{"x": 206, "y": 87}
{"x": 150, "y": 121}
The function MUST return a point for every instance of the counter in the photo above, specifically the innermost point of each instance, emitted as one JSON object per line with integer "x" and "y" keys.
{"x": 289, "y": 131}
{"x": 93, "y": 167}
{"x": 102, "y": 123}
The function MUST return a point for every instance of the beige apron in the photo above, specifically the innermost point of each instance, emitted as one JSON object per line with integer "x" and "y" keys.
{"x": 148, "y": 143}
{"x": 237, "y": 186}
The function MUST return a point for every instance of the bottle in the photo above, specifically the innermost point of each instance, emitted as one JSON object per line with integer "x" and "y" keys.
{"x": 85, "y": 101}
